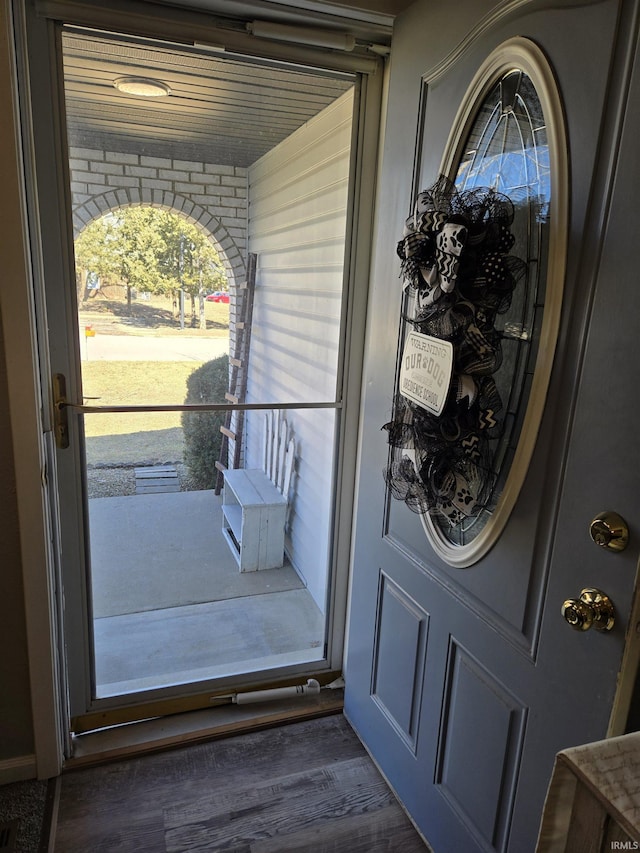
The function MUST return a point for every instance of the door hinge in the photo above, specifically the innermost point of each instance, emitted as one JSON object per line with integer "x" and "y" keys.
{"x": 60, "y": 418}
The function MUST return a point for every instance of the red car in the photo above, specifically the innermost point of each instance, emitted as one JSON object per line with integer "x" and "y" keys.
{"x": 218, "y": 296}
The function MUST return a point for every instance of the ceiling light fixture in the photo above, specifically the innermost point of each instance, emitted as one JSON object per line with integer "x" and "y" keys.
{"x": 143, "y": 87}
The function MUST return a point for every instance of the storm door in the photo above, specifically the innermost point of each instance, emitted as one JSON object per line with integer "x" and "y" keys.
{"x": 201, "y": 329}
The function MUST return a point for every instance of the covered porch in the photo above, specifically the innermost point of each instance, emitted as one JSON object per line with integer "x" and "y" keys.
{"x": 170, "y": 605}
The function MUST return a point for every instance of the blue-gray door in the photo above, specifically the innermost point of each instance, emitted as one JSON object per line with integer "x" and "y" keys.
{"x": 463, "y": 679}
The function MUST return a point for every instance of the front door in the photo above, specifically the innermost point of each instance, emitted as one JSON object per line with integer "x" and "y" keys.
{"x": 463, "y": 678}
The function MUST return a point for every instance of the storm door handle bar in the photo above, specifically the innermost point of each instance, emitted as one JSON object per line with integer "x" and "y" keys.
{"x": 196, "y": 407}
{"x": 61, "y": 405}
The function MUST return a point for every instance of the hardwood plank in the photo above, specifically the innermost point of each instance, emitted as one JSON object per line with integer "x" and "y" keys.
{"x": 308, "y": 786}
{"x": 277, "y": 807}
{"x": 268, "y": 754}
{"x": 387, "y": 830}
{"x": 101, "y": 830}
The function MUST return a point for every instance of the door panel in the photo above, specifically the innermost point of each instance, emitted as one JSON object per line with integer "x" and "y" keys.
{"x": 399, "y": 655}
{"x": 464, "y": 683}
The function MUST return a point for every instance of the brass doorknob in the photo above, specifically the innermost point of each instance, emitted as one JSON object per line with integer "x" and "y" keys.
{"x": 593, "y": 609}
{"x": 610, "y": 531}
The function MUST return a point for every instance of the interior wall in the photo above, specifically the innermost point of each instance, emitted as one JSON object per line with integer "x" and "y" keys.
{"x": 297, "y": 219}
{"x": 16, "y": 736}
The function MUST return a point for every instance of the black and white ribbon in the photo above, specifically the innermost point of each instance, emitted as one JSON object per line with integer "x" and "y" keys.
{"x": 454, "y": 255}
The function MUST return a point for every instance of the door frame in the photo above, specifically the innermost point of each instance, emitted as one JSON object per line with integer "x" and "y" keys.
{"x": 30, "y": 419}
{"x": 36, "y": 480}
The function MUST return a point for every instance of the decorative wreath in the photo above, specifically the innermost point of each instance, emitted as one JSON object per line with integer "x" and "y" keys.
{"x": 455, "y": 260}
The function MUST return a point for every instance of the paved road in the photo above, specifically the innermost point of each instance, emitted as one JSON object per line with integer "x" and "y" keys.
{"x": 147, "y": 348}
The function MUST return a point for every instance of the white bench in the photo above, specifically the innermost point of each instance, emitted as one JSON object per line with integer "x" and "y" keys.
{"x": 255, "y": 502}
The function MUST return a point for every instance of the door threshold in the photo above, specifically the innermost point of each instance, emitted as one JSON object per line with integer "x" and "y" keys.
{"x": 191, "y": 727}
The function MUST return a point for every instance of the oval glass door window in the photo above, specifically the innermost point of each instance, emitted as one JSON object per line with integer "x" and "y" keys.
{"x": 509, "y": 137}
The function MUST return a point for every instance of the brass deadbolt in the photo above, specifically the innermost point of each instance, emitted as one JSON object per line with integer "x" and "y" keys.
{"x": 593, "y": 609}
{"x": 609, "y": 530}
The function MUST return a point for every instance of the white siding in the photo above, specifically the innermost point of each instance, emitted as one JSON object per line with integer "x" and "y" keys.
{"x": 297, "y": 217}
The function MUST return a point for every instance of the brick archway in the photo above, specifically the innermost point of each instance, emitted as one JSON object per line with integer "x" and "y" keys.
{"x": 99, "y": 205}
{"x": 213, "y": 196}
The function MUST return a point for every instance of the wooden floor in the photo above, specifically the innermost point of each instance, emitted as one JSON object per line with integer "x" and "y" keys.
{"x": 306, "y": 787}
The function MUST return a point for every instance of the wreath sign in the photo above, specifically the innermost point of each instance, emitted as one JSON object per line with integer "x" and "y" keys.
{"x": 455, "y": 261}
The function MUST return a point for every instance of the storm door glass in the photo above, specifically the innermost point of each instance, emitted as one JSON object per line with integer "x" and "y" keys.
{"x": 210, "y": 205}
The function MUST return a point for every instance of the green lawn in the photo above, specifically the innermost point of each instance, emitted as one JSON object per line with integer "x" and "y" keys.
{"x": 130, "y": 439}
{"x": 133, "y": 383}
{"x": 141, "y": 437}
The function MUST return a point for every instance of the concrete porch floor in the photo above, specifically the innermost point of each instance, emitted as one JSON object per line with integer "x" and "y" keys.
{"x": 170, "y": 605}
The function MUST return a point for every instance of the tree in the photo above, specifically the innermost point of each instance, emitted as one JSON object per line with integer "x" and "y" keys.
{"x": 151, "y": 250}
{"x": 138, "y": 248}
{"x": 93, "y": 249}
{"x": 190, "y": 260}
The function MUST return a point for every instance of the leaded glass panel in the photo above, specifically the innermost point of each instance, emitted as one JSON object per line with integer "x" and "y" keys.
{"x": 507, "y": 150}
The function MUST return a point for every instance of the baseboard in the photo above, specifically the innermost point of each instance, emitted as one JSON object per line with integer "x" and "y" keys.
{"x": 18, "y": 769}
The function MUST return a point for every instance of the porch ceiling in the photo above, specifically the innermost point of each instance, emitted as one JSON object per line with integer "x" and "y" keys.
{"x": 220, "y": 110}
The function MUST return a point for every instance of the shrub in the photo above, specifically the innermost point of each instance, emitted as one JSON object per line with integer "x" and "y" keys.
{"x": 202, "y": 436}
